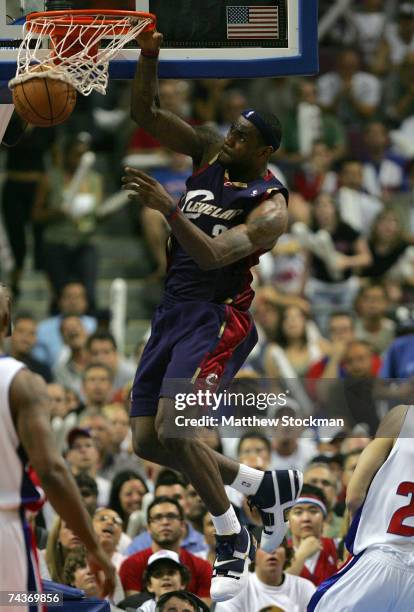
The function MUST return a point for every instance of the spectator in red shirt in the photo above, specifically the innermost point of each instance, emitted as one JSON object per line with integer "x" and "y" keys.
{"x": 166, "y": 526}
{"x": 315, "y": 556}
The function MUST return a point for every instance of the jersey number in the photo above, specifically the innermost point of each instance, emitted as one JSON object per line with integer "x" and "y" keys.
{"x": 218, "y": 229}
{"x": 396, "y": 525}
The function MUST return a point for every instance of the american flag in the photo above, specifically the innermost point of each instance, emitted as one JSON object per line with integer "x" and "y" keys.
{"x": 252, "y": 22}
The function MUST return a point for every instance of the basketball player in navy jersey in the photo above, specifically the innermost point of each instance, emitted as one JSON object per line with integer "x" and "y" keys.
{"x": 380, "y": 499}
{"x": 234, "y": 209}
{"x": 26, "y": 436}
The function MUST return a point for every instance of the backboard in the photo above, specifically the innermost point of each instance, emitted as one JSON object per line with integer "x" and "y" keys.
{"x": 202, "y": 38}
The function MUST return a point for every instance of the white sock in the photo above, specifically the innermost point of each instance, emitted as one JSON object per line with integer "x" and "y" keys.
{"x": 227, "y": 523}
{"x": 247, "y": 480}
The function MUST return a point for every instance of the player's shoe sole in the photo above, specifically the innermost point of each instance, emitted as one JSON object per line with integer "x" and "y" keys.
{"x": 277, "y": 493}
{"x": 231, "y": 566}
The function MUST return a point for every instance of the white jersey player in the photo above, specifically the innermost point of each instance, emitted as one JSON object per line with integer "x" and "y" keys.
{"x": 380, "y": 498}
{"x": 25, "y": 435}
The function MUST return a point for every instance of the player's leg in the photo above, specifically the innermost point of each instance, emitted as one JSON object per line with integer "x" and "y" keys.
{"x": 271, "y": 492}
{"x": 148, "y": 446}
{"x": 190, "y": 329}
{"x": 371, "y": 581}
{"x": 18, "y": 566}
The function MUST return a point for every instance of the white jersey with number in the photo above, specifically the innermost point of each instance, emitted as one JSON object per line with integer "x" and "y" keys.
{"x": 18, "y": 565}
{"x": 386, "y": 519}
{"x": 12, "y": 467}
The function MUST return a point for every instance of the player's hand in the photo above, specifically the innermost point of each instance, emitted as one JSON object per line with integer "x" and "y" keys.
{"x": 147, "y": 190}
{"x": 341, "y": 262}
{"x": 337, "y": 349}
{"x": 308, "y": 547}
{"x": 103, "y": 570}
{"x": 150, "y": 40}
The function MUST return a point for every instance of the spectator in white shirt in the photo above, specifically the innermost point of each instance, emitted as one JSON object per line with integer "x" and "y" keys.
{"x": 383, "y": 170}
{"x": 350, "y": 93}
{"x": 356, "y": 207}
{"x": 268, "y": 585}
{"x": 369, "y": 22}
{"x": 398, "y": 40}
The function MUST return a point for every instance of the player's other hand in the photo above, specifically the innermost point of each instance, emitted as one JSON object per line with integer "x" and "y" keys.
{"x": 309, "y": 546}
{"x": 147, "y": 190}
{"x": 150, "y": 40}
{"x": 103, "y": 570}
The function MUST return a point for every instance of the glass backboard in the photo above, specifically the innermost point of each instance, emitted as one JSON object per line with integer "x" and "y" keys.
{"x": 202, "y": 38}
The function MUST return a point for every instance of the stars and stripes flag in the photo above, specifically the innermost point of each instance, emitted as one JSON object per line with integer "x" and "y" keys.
{"x": 252, "y": 22}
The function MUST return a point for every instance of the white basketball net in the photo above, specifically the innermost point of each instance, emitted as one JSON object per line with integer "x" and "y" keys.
{"x": 84, "y": 71}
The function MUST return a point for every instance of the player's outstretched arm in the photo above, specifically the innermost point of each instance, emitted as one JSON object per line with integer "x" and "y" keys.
{"x": 172, "y": 131}
{"x": 30, "y": 407}
{"x": 373, "y": 456}
{"x": 262, "y": 229}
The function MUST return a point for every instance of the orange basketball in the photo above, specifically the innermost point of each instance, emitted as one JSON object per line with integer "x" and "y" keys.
{"x": 44, "y": 102}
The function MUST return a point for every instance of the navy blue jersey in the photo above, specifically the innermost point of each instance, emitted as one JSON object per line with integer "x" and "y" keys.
{"x": 215, "y": 204}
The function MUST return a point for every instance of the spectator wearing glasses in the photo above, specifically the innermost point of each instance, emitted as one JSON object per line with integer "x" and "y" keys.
{"x": 108, "y": 527}
{"x": 319, "y": 475}
{"x": 165, "y": 518}
{"x": 170, "y": 484}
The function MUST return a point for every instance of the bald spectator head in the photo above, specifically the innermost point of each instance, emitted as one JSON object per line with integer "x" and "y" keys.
{"x": 357, "y": 361}
{"x": 57, "y": 395}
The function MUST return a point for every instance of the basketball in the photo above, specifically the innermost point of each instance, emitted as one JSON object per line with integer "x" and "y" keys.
{"x": 44, "y": 102}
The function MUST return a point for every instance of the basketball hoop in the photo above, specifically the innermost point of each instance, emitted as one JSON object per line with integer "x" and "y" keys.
{"x": 75, "y": 55}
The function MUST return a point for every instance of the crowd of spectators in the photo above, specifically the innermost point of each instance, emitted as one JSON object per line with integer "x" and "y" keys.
{"x": 333, "y": 308}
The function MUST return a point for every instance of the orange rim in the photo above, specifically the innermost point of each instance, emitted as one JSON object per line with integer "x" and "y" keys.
{"x": 88, "y": 17}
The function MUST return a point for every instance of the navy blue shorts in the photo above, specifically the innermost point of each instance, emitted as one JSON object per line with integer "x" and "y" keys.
{"x": 191, "y": 341}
